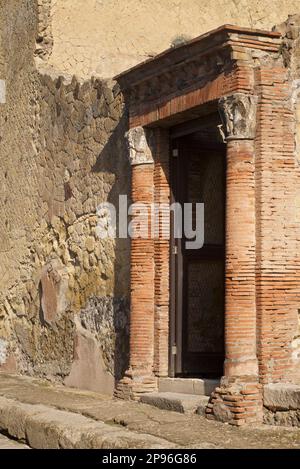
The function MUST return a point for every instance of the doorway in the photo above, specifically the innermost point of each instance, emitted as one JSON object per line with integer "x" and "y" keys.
{"x": 198, "y": 174}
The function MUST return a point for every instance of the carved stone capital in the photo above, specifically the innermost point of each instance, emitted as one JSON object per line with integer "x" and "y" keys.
{"x": 238, "y": 114}
{"x": 140, "y": 145}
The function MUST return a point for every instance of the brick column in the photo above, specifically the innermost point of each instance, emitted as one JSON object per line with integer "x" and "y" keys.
{"x": 140, "y": 378}
{"x": 240, "y": 308}
{"x": 239, "y": 398}
{"x": 238, "y": 112}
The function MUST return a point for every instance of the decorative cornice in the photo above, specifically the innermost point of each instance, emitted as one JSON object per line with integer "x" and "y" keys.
{"x": 192, "y": 65}
{"x": 238, "y": 114}
{"x": 207, "y": 44}
{"x": 179, "y": 78}
{"x": 140, "y": 145}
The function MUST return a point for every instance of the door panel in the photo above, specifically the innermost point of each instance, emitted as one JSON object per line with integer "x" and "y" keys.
{"x": 203, "y": 324}
{"x": 204, "y": 183}
{"x": 199, "y": 274}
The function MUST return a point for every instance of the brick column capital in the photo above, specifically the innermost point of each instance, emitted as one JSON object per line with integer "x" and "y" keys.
{"x": 140, "y": 145}
{"x": 238, "y": 114}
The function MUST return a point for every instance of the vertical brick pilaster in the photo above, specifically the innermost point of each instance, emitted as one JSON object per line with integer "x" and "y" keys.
{"x": 142, "y": 278}
{"x": 162, "y": 253}
{"x": 278, "y": 261}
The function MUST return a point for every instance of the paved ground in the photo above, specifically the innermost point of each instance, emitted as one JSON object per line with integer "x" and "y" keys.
{"x": 7, "y": 443}
{"x": 129, "y": 424}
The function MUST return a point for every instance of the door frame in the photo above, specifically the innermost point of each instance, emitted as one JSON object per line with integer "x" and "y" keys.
{"x": 176, "y": 279}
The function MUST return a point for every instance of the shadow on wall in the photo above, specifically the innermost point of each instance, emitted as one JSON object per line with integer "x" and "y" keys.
{"x": 116, "y": 147}
{"x": 101, "y": 348}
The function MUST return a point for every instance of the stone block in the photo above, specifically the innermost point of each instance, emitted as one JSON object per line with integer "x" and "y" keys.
{"x": 176, "y": 402}
{"x": 203, "y": 387}
{"x": 282, "y": 396}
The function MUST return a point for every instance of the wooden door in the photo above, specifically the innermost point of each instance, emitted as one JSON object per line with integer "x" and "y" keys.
{"x": 197, "y": 322}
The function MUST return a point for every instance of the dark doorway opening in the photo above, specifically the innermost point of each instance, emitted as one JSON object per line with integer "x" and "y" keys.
{"x": 198, "y": 172}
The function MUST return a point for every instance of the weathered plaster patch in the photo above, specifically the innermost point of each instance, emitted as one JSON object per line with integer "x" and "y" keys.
{"x": 3, "y": 351}
{"x": 2, "y": 91}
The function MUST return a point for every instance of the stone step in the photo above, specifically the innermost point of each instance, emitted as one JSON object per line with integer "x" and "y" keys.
{"x": 177, "y": 402}
{"x": 203, "y": 387}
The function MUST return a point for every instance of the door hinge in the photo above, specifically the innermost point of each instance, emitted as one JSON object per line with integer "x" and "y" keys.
{"x": 174, "y": 349}
{"x": 175, "y": 152}
{"x": 175, "y": 250}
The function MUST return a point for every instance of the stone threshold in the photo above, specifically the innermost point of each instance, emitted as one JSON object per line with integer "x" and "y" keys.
{"x": 195, "y": 386}
{"x": 183, "y": 395}
{"x": 176, "y": 402}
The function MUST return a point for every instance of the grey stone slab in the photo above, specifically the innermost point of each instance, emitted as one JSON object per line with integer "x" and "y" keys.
{"x": 176, "y": 402}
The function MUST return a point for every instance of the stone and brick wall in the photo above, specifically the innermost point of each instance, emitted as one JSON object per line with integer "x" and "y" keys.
{"x": 291, "y": 52}
{"x": 278, "y": 265}
{"x": 64, "y": 292}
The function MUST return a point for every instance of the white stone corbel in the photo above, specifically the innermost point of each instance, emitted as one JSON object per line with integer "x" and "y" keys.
{"x": 140, "y": 146}
{"x": 2, "y": 92}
